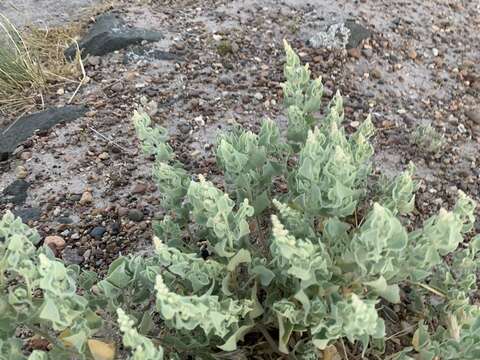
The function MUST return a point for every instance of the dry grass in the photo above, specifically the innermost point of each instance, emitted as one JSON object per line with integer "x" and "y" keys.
{"x": 21, "y": 75}
{"x": 32, "y": 62}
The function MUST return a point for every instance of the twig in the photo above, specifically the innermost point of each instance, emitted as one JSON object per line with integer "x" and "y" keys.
{"x": 344, "y": 349}
{"x": 13, "y": 6}
{"x": 269, "y": 339}
{"x": 110, "y": 85}
{"x": 43, "y": 101}
{"x": 84, "y": 74}
{"x": 431, "y": 289}
{"x": 401, "y": 332}
{"x": 109, "y": 140}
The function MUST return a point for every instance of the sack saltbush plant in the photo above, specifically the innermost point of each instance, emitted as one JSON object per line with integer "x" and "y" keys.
{"x": 286, "y": 259}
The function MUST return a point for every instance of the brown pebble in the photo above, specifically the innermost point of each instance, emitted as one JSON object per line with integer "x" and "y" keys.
{"x": 87, "y": 198}
{"x": 139, "y": 188}
{"x": 354, "y": 52}
{"x": 376, "y": 73}
{"x": 412, "y": 54}
{"x": 56, "y": 243}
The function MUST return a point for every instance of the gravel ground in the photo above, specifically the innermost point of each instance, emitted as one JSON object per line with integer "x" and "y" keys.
{"x": 44, "y": 12}
{"x": 421, "y": 65}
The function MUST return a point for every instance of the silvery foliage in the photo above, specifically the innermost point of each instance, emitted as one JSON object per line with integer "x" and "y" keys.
{"x": 278, "y": 253}
{"x": 322, "y": 275}
{"x": 39, "y": 293}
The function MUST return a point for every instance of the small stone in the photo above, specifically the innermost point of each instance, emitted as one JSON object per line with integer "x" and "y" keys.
{"x": 115, "y": 228}
{"x": 151, "y": 108}
{"x": 376, "y": 73}
{"x": 367, "y": 52}
{"x": 64, "y": 220}
{"x": 71, "y": 256}
{"x": 412, "y": 54}
{"x": 355, "y": 124}
{"x": 184, "y": 127}
{"x": 225, "y": 80}
{"x": 94, "y": 60}
{"x": 199, "y": 120}
{"x": 87, "y": 254}
{"x": 54, "y": 242}
{"x": 130, "y": 76}
{"x": 354, "y": 53}
{"x": 135, "y": 215}
{"x": 104, "y": 156}
{"x": 121, "y": 211}
{"x": 435, "y": 52}
{"x": 97, "y": 232}
{"x": 139, "y": 188}
{"x": 258, "y": 96}
{"x": 474, "y": 115}
{"x": 21, "y": 172}
{"x": 117, "y": 87}
{"x": 26, "y": 155}
{"x": 87, "y": 198}
{"x": 61, "y": 91}
{"x": 75, "y": 236}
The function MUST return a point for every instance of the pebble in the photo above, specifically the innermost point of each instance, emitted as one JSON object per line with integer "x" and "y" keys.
{"x": 21, "y": 172}
{"x": 376, "y": 73}
{"x": 184, "y": 127}
{"x": 54, "y": 242}
{"x": 354, "y": 53}
{"x": 87, "y": 198}
{"x": 104, "y": 156}
{"x": 122, "y": 211}
{"x": 368, "y": 53}
{"x": 258, "y": 96}
{"x": 135, "y": 215}
{"x": 97, "y": 232}
{"x": 115, "y": 228}
{"x": 117, "y": 87}
{"x": 26, "y": 155}
{"x": 412, "y": 54}
{"x": 225, "y": 80}
{"x": 139, "y": 188}
{"x": 474, "y": 115}
{"x": 94, "y": 60}
{"x": 87, "y": 253}
{"x": 71, "y": 256}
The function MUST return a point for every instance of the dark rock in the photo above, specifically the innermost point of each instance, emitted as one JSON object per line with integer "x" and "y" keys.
{"x": 28, "y": 214}
{"x": 15, "y": 193}
{"x": 184, "y": 127}
{"x": 358, "y": 33}
{"x": 110, "y": 33}
{"x": 97, "y": 232}
{"x": 40, "y": 121}
{"x": 135, "y": 215}
{"x": 72, "y": 257}
{"x": 64, "y": 220}
{"x": 115, "y": 228}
